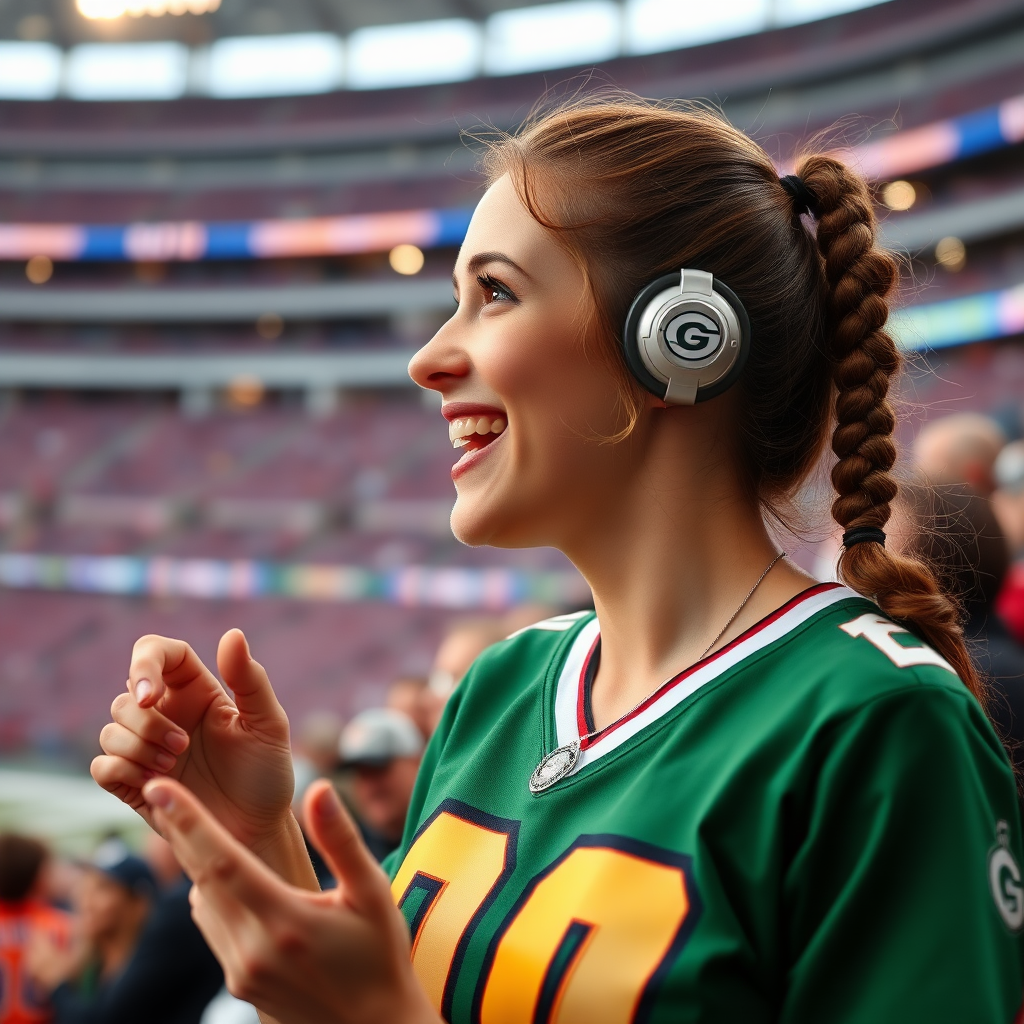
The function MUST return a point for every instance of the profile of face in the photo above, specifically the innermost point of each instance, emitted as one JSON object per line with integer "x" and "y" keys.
{"x": 106, "y": 908}
{"x": 529, "y": 400}
{"x": 382, "y": 794}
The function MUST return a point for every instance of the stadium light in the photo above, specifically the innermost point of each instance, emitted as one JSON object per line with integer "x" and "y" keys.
{"x": 385, "y": 56}
{"x": 899, "y": 195}
{"x": 552, "y": 36}
{"x": 951, "y": 253}
{"x": 655, "y": 25}
{"x": 406, "y": 259}
{"x": 39, "y": 269}
{"x": 295, "y": 64}
{"x": 127, "y": 71}
{"x": 29, "y": 71}
{"x": 109, "y": 10}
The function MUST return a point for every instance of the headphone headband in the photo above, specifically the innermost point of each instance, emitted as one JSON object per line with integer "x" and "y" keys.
{"x": 686, "y": 337}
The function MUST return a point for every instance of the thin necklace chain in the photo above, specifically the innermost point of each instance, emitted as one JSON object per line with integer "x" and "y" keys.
{"x": 707, "y": 650}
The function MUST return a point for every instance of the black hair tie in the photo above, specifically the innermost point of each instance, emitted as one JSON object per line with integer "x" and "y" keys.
{"x": 804, "y": 200}
{"x": 860, "y": 534}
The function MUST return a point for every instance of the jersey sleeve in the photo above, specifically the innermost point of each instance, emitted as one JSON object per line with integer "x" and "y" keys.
{"x": 904, "y": 897}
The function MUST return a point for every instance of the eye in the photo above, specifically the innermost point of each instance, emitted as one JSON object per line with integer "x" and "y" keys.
{"x": 495, "y": 291}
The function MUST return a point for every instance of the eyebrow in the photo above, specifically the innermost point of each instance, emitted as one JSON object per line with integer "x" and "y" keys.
{"x": 483, "y": 258}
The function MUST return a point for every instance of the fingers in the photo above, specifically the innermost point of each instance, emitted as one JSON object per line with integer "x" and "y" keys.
{"x": 123, "y": 779}
{"x": 228, "y": 875}
{"x": 248, "y": 681}
{"x": 118, "y": 741}
{"x": 159, "y": 662}
{"x": 335, "y": 835}
{"x": 115, "y": 773}
{"x": 148, "y": 724}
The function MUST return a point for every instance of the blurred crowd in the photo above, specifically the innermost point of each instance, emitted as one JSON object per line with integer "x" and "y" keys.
{"x": 965, "y": 513}
{"x": 110, "y": 940}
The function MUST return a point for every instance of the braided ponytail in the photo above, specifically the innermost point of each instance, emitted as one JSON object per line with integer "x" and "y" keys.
{"x": 859, "y": 277}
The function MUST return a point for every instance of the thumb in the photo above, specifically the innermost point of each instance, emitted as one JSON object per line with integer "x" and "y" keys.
{"x": 248, "y": 681}
{"x": 336, "y": 836}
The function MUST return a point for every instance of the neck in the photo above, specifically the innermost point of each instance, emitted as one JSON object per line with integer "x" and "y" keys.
{"x": 669, "y": 562}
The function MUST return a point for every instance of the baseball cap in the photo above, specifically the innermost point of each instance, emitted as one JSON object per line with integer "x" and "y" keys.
{"x": 116, "y": 861}
{"x": 377, "y": 736}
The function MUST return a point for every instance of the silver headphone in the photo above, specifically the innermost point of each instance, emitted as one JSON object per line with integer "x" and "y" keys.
{"x": 687, "y": 337}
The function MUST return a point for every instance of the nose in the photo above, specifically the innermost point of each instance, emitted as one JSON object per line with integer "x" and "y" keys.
{"x": 441, "y": 362}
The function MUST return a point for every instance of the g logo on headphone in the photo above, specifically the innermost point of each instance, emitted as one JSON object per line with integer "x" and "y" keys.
{"x": 686, "y": 337}
{"x": 692, "y": 335}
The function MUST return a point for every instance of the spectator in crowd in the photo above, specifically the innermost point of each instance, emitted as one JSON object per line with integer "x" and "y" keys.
{"x": 413, "y": 697}
{"x": 315, "y": 757}
{"x": 316, "y": 743}
{"x": 1008, "y": 503}
{"x": 383, "y": 748}
{"x": 959, "y": 449}
{"x": 958, "y": 533}
{"x": 23, "y": 915}
{"x": 461, "y": 646}
{"x": 121, "y": 971}
{"x": 1008, "y": 497}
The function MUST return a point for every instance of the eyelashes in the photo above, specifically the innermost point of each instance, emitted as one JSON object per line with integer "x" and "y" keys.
{"x": 498, "y": 291}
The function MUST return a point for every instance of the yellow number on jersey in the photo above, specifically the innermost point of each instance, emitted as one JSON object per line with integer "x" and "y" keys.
{"x": 591, "y": 937}
{"x": 460, "y": 857}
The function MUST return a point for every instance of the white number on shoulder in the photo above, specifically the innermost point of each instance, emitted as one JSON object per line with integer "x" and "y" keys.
{"x": 879, "y": 631}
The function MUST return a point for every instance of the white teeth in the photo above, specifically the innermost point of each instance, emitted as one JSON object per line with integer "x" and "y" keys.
{"x": 463, "y": 428}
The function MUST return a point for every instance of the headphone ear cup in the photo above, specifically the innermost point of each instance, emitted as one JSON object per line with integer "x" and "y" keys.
{"x": 722, "y": 385}
{"x": 644, "y": 309}
{"x": 631, "y": 334}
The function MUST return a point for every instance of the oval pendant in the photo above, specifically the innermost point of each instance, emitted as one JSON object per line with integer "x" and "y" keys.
{"x": 554, "y": 767}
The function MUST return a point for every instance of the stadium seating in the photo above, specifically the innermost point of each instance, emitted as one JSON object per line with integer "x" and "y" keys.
{"x": 368, "y": 486}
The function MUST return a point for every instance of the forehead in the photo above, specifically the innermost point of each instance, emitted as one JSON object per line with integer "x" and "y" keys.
{"x": 501, "y": 224}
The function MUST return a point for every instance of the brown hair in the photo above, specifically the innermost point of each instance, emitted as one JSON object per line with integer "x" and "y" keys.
{"x": 21, "y": 859}
{"x": 636, "y": 189}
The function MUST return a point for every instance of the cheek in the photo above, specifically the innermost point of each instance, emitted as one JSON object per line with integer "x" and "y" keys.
{"x": 555, "y": 383}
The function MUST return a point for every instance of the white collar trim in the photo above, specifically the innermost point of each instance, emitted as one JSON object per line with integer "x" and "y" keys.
{"x": 676, "y": 690}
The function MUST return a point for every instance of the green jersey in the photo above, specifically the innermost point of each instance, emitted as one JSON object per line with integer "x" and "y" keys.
{"x": 815, "y": 825}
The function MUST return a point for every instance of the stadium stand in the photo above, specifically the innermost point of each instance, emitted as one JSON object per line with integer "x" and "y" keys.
{"x": 195, "y": 417}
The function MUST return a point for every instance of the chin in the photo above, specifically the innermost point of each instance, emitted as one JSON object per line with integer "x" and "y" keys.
{"x": 473, "y": 526}
{"x": 493, "y": 523}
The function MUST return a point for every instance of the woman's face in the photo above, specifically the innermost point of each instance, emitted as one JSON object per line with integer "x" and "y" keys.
{"x": 530, "y": 403}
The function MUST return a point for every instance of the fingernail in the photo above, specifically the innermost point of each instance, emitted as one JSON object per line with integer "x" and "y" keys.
{"x": 157, "y": 796}
{"x": 164, "y": 761}
{"x": 176, "y": 741}
{"x": 143, "y": 690}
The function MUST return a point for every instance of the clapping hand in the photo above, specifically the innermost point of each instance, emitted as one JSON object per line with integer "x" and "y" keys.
{"x": 178, "y": 721}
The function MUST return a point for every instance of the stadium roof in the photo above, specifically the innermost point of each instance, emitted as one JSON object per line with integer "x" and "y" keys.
{"x": 165, "y": 49}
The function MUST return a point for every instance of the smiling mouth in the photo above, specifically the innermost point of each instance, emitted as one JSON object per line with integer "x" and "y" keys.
{"x": 471, "y": 433}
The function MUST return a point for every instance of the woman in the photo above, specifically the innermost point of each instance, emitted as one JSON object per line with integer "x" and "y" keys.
{"x": 733, "y": 795}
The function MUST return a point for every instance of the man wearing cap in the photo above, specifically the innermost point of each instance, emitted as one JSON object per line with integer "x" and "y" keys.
{"x": 383, "y": 748}
{"x": 137, "y": 962}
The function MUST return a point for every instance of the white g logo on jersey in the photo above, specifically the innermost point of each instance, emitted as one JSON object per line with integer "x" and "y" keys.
{"x": 692, "y": 335}
{"x": 1005, "y": 881}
